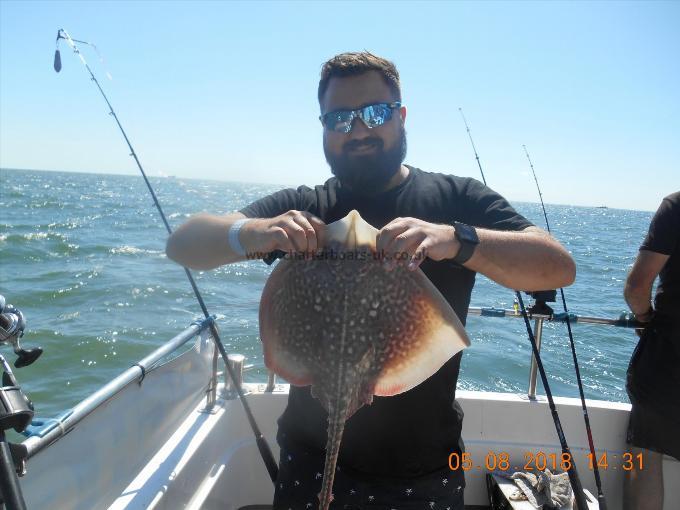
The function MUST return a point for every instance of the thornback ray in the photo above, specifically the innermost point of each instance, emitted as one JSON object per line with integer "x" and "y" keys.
{"x": 351, "y": 329}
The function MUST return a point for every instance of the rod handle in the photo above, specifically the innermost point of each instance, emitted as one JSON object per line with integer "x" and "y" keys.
{"x": 268, "y": 458}
{"x": 602, "y": 502}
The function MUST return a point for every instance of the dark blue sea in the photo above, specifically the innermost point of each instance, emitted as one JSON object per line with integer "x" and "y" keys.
{"x": 82, "y": 255}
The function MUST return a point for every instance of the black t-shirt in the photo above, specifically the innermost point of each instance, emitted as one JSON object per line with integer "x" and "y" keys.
{"x": 664, "y": 237}
{"x": 413, "y": 433}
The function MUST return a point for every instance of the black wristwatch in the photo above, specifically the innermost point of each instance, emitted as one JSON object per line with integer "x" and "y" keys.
{"x": 467, "y": 237}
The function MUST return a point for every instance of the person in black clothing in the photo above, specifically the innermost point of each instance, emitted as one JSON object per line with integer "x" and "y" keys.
{"x": 654, "y": 371}
{"x": 394, "y": 452}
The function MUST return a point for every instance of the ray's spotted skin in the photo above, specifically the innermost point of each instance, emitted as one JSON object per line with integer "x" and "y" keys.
{"x": 344, "y": 324}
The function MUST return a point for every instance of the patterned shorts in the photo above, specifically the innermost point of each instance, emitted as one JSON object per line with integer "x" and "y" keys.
{"x": 300, "y": 476}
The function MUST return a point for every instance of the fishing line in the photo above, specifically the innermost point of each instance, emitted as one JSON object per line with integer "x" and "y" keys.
{"x": 572, "y": 473}
{"x": 263, "y": 446}
{"x": 586, "y": 418}
{"x": 57, "y": 56}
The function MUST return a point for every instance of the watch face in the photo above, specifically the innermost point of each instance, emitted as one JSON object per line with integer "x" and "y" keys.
{"x": 466, "y": 233}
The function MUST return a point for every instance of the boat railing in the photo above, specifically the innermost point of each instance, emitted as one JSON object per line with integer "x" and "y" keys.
{"x": 624, "y": 321}
{"x": 56, "y": 428}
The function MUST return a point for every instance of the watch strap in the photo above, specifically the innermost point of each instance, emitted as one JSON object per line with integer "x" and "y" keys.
{"x": 468, "y": 243}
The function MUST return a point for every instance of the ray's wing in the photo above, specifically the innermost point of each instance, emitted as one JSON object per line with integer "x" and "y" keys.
{"x": 287, "y": 330}
{"x": 421, "y": 331}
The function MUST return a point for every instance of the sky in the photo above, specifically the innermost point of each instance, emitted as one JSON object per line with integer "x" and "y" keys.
{"x": 227, "y": 90}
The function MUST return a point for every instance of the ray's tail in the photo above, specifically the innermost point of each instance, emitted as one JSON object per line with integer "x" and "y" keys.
{"x": 336, "y": 425}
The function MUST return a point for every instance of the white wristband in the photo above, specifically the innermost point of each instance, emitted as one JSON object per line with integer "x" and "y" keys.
{"x": 234, "y": 242}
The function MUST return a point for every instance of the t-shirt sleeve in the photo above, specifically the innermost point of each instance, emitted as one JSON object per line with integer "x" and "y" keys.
{"x": 481, "y": 206}
{"x": 664, "y": 230}
{"x": 272, "y": 205}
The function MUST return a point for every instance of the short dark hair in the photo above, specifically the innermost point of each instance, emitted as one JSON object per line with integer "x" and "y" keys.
{"x": 355, "y": 63}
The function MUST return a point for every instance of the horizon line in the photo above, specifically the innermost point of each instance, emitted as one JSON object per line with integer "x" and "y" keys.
{"x": 136, "y": 174}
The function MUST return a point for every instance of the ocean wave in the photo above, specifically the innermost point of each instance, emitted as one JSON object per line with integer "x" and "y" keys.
{"x": 133, "y": 250}
{"x": 34, "y": 236}
{"x": 68, "y": 316}
{"x": 48, "y": 204}
{"x": 15, "y": 193}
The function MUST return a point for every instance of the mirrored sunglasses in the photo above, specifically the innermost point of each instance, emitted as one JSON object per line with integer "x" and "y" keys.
{"x": 373, "y": 115}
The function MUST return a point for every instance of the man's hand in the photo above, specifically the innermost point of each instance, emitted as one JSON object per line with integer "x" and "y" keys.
{"x": 202, "y": 242}
{"x": 292, "y": 232}
{"x": 529, "y": 259}
{"x": 410, "y": 240}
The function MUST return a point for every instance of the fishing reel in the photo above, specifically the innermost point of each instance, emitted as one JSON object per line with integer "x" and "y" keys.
{"x": 541, "y": 298}
{"x": 12, "y": 325}
{"x": 16, "y": 410}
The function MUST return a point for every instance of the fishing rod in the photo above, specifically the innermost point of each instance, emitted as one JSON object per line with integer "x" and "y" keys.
{"x": 263, "y": 446}
{"x": 600, "y": 495}
{"x": 540, "y": 195}
{"x": 473, "y": 145}
{"x": 572, "y": 473}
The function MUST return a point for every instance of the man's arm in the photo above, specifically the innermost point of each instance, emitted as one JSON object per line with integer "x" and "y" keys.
{"x": 202, "y": 242}
{"x": 638, "y": 289}
{"x": 529, "y": 259}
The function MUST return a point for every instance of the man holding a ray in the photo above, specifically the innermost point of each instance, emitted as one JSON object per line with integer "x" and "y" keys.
{"x": 442, "y": 228}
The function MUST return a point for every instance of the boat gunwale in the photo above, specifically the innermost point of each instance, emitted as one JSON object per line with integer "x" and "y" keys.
{"x": 68, "y": 420}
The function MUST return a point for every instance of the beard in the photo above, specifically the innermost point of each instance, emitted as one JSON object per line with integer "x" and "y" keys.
{"x": 366, "y": 174}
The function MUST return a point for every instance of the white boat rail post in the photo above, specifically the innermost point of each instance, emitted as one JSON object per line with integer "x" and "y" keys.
{"x": 211, "y": 393}
{"x": 212, "y": 387}
{"x": 271, "y": 382}
{"x": 539, "y": 311}
{"x": 533, "y": 369}
{"x": 236, "y": 365}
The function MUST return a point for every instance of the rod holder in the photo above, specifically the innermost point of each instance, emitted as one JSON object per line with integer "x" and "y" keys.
{"x": 538, "y": 332}
{"x": 212, "y": 388}
{"x": 271, "y": 382}
{"x": 236, "y": 363}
